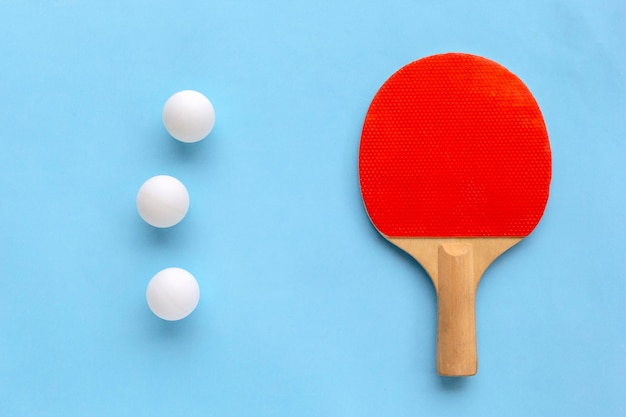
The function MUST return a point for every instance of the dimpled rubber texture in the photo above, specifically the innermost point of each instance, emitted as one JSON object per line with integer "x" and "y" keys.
{"x": 454, "y": 145}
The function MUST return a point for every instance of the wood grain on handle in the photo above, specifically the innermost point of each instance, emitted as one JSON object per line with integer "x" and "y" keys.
{"x": 455, "y": 266}
{"x": 456, "y": 305}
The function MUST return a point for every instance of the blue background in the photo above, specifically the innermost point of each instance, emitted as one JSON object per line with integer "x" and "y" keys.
{"x": 305, "y": 310}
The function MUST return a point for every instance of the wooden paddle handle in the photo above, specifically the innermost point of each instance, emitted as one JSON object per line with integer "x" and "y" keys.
{"x": 456, "y": 305}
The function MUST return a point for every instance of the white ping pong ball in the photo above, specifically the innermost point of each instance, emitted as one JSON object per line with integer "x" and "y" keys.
{"x": 188, "y": 116}
{"x": 162, "y": 201}
{"x": 173, "y": 294}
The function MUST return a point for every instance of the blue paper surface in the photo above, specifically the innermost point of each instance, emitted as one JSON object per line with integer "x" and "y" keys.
{"x": 305, "y": 310}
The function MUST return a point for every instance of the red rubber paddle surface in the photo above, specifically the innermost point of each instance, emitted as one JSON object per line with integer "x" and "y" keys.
{"x": 454, "y": 145}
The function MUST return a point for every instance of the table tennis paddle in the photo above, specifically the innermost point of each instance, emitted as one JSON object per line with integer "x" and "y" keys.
{"x": 455, "y": 168}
